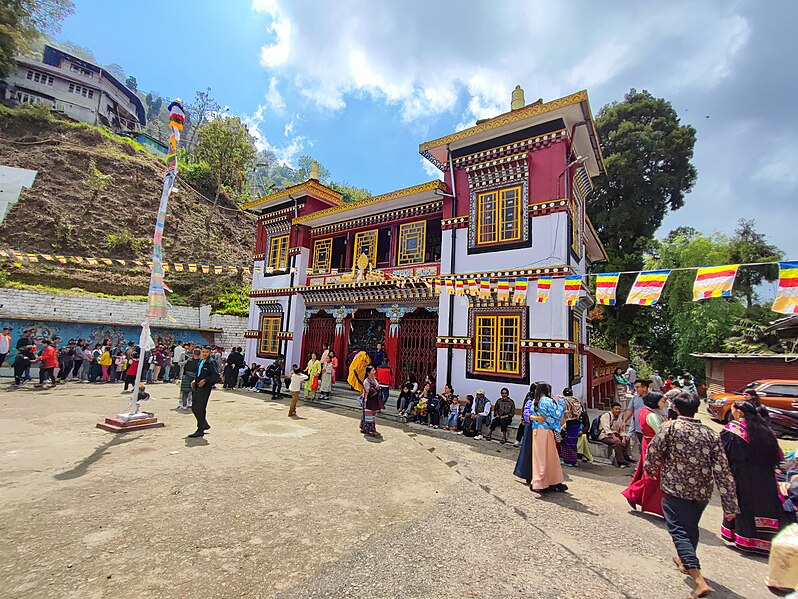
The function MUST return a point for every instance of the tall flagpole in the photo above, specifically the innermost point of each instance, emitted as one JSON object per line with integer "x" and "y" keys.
{"x": 157, "y": 305}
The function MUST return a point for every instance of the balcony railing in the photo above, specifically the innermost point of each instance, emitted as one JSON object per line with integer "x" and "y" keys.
{"x": 401, "y": 272}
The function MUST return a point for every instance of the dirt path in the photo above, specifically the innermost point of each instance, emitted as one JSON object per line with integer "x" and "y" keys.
{"x": 264, "y": 506}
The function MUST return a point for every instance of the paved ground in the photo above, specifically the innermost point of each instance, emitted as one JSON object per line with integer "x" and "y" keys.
{"x": 267, "y": 506}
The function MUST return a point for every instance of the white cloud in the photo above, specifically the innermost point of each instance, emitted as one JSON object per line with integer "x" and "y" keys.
{"x": 274, "y": 99}
{"x": 286, "y": 154}
{"x": 430, "y": 170}
{"x": 288, "y": 129}
{"x": 448, "y": 56}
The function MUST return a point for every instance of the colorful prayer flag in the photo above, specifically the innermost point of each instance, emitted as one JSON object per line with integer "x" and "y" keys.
{"x": 484, "y": 289}
{"x": 178, "y": 266}
{"x": 122, "y": 262}
{"x": 246, "y": 269}
{"x": 77, "y": 259}
{"x": 61, "y": 259}
{"x": 107, "y": 261}
{"x": 786, "y": 301}
{"x": 473, "y": 288}
{"x": 573, "y": 285}
{"x": 47, "y": 257}
{"x": 205, "y": 268}
{"x": 33, "y": 258}
{"x": 647, "y": 287}
{"x": 503, "y": 290}
{"x": 449, "y": 286}
{"x": 519, "y": 293}
{"x": 92, "y": 261}
{"x": 165, "y": 269}
{"x": 232, "y": 269}
{"x": 714, "y": 281}
{"x": 606, "y": 288}
{"x": 217, "y": 269}
{"x": 544, "y": 288}
{"x": 458, "y": 287}
{"x": 192, "y": 268}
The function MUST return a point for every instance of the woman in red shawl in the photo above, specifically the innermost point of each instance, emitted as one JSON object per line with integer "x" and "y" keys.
{"x": 644, "y": 490}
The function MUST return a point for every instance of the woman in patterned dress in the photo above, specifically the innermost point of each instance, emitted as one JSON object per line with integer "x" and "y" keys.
{"x": 753, "y": 454}
{"x": 372, "y": 403}
{"x": 313, "y": 370}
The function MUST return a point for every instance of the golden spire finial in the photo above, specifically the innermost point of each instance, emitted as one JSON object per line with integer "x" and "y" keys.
{"x": 517, "y": 98}
{"x": 314, "y": 171}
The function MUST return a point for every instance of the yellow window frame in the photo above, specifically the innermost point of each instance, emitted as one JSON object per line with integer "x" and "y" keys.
{"x": 499, "y": 216}
{"x": 366, "y": 243}
{"x": 269, "y": 327}
{"x": 408, "y": 233}
{"x": 278, "y": 252}
{"x": 498, "y": 344}
{"x": 322, "y": 254}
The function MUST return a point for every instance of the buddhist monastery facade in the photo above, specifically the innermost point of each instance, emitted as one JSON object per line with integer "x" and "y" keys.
{"x": 510, "y": 210}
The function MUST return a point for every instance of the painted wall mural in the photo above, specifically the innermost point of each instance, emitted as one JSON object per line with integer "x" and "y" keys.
{"x": 96, "y": 333}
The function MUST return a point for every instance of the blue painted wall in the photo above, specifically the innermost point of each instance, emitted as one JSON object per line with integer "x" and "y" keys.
{"x": 97, "y": 333}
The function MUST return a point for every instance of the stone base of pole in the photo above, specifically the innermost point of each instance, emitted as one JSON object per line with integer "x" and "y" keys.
{"x": 123, "y": 423}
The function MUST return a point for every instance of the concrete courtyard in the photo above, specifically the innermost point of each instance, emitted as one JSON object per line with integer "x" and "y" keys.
{"x": 267, "y": 506}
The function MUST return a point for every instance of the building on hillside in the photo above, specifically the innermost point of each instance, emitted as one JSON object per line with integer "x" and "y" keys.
{"x": 151, "y": 144}
{"x": 511, "y": 206}
{"x": 726, "y": 373}
{"x": 78, "y": 88}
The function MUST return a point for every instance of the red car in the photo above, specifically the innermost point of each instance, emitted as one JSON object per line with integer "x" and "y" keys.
{"x": 774, "y": 393}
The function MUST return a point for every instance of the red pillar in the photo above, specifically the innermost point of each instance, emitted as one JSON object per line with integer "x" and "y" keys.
{"x": 340, "y": 348}
{"x": 392, "y": 347}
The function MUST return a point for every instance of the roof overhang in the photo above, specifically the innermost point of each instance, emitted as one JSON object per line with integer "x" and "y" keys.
{"x": 784, "y": 357}
{"x": 310, "y": 187}
{"x": 574, "y": 110}
{"x": 606, "y": 356}
{"x": 595, "y": 249}
{"x": 410, "y": 196}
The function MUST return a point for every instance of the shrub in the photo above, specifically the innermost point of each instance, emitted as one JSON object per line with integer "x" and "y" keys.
{"x": 124, "y": 242}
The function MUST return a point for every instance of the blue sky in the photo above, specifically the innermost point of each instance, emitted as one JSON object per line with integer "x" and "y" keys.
{"x": 359, "y": 84}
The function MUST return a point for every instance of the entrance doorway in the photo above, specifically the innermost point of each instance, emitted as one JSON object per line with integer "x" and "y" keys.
{"x": 366, "y": 331}
{"x": 321, "y": 331}
{"x": 417, "y": 353}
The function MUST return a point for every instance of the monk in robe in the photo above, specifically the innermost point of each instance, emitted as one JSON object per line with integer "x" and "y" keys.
{"x": 357, "y": 370}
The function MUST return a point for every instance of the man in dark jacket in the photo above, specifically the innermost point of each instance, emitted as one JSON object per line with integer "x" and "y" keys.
{"x": 201, "y": 387}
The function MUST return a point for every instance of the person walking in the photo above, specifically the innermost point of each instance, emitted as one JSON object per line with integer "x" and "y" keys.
{"x": 644, "y": 490}
{"x": 48, "y": 360}
{"x": 26, "y": 341}
{"x": 294, "y": 387}
{"x": 545, "y": 415}
{"x": 105, "y": 362}
{"x": 523, "y": 465}
{"x": 313, "y": 370}
{"x": 65, "y": 356}
{"x": 754, "y": 455}
{"x": 372, "y": 403}
{"x": 687, "y": 457}
{"x": 189, "y": 374}
{"x": 5, "y": 344}
{"x": 573, "y": 424}
{"x": 201, "y": 387}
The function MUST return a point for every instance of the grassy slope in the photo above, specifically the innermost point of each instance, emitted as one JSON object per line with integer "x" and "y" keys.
{"x": 60, "y": 215}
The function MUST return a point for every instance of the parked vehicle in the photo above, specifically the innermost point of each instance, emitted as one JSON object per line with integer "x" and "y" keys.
{"x": 774, "y": 393}
{"x": 784, "y": 423}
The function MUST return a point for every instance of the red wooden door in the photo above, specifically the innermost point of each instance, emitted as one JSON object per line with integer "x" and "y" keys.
{"x": 417, "y": 353}
{"x": 321, "y": 330}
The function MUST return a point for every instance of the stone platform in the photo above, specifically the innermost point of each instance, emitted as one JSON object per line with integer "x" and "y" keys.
{"x": 116, "y": 424}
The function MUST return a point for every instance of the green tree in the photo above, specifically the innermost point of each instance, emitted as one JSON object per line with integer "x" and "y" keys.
{"x": 226, "y": 146}
{"x": 117, "y": 71}
{"x": 203, "y": 108}
{"x": 749, "y": 246}
{"x": 647, "y": 153}
{"x": 131, "y": 83}
{"x": 23, "y": 21}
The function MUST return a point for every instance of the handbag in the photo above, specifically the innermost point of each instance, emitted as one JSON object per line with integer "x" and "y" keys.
{"x": 315, "y": 384}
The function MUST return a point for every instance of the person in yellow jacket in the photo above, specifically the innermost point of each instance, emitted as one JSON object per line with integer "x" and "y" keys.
{"x": 357, "y": 371}
{"x": 105, "y": 361}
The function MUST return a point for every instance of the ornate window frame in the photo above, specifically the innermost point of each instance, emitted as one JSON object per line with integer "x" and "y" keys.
{"x": 495, "y": 316}
{"x": 575, "y": 335}
{"x": 322, "y": 254}
{"x": 415, "y": 231}
{"x": 278, "y": 252}
{"x": 366, "y": 243}
{"x": 268, "y": 342}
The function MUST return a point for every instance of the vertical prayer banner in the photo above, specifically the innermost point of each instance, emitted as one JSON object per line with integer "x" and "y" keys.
{"x": 573, "y": 285}
{"x": 484, "y": 289}
{"x": 503, "y": 290}
{"x": 449, "y": 284}
{"x": 437, "y": 285}
{"x": 606, "y": 288}
{"x": 647, "y": 287}
{"x": 544, "y": 288}
{"x": 519, "y": 292}
{"x": 714, "y": 281}
{"x": 786, "y": 301}
{"x": 473, "y": 288}
{"x": 157, "y": 305}
{"x": 458, "y": 287}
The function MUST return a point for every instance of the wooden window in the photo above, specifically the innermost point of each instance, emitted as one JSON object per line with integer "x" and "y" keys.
{"x": 366, "y": 243}
{"x": 278, "y": 252}
{"x": 499, "y": 216}
{"x": 498, "y": 346}
{"x": 269, "y": 327}
{"x": 411, "y": 243}
{"x": 322, "y": 254}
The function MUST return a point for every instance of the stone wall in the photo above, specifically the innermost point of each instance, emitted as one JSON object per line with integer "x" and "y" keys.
{"x": 86, "y": 316}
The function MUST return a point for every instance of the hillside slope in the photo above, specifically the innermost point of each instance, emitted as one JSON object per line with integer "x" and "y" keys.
{"x": 60, "y": 214}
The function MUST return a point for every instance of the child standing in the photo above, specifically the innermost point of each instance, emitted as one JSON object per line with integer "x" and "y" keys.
{"x": 130, "y": 373}
{"x": 294, "y": 386}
